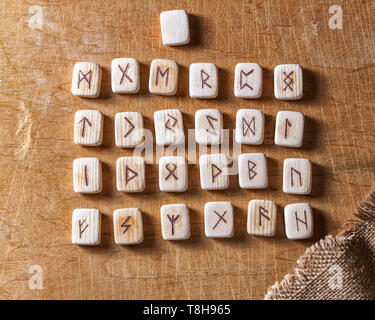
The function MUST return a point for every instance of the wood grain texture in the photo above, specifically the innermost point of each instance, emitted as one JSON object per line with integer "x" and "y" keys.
{"x": 37, "y": 150}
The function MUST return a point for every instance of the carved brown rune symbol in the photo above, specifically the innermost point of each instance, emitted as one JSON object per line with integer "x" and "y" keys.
{"x": 86, "y": 177}
{"x": 246, "y": 126}
{"x": 126, "y": 225}
{"x": 299, "y": 175}
{"x": 130, "y": 174}
{"x": 210, "y": 120}
{"x": 172, "y": 220}
{"x": 168, "y": 125}
{"x": 251, "y": 165}
{"x": 204, "y": 79}
{"x": 84, "y": 120}
{"x": 162, "y": 74}
{"x": 288, "y": 80}
{"x": 302, "y": 221}
{"x": 215, "y": 172}
{"x": 287, "y": 124}
{"x": 84, "y": 77}
{"x": 246, "y": 75}
{"x": 124, "y": 74}
{"x": 132, "y": 127}
{"x": 80, "y": 227}
{"x": 171, "y": 172}
{"x": 221, "y": 218}
{"x": 261, "y": 214}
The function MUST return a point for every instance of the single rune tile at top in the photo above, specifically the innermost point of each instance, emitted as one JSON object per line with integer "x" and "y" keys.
{"x": 174, "y": 27}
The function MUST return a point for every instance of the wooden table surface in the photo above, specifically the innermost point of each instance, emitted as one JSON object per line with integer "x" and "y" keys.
{"x": 37, "y": 150}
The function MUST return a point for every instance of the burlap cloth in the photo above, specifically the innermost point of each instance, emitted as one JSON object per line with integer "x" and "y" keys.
{"x": 336, "y": 267}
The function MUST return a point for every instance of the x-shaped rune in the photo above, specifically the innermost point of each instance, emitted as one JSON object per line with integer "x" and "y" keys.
{"x": 221, "y": 217}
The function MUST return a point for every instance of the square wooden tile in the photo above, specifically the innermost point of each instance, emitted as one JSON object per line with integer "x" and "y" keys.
{"x": 175, "y": 222}
{"x": 86, "y": 226}
{"x": 218, "y": 219}
{"x": 173, "y": 174}
{"x": 203, "y": 80}
{"x": 249, "y": 126}
{"x": 169, "y": 127}
{"x": 299, "y": 223}
{"x": 252, "y": 171}
{"x": 248, "y": 78}
{"x": 86, "y": 81}
{"x": 174, "y": 27}
{"x": 88, "y": 127}
{"x": 262, "y": 218}
{"x": 214, "y": 171}
{"x": 289, "y": 129}
{"x": 163, "y": 77}
{"x": 87, "y": 175}
{"x": 125, "y": 75}
{"x": 208, "y": 126}
{"x": 128, "y": 226}
{"x": 130, "y": 174}
{"x": 288, "y": 82}
{"x": 297, "y": 176}
{"x": 128, "y": 129}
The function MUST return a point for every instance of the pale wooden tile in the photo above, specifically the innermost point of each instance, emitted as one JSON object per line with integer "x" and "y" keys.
{"x": 173, "y": 174}
{"x": 203, "y": 80}
{"x": 249, "y": 126}
{"x": 218, "y": 219}
{"x": 262, "y": 218}
{"x": 88, "y": 128}
{"x": 174, "y": 27}
{"x": 169, "y": 128}
{"x": 175, "y": 222}
{"x": 86, "y": 81}
{"x": 214, "y": 171}
{"x": 130, "y": 174}
{"x": 125, "y": 75}
{"x": 163, "y": 77}
{"x": 208, "y": 126}
{"x": 128, "y": 129}
{"x": 248, "y": 79}
{"x": 87, "y": 175}
{"x": 86, "y": 226}
{"x": 288, "y": 82}
{"x": 289, "y": 129}
{"x": 128, "y": 226}
{"x": 299, "y": 223}
{"x": 252, "y": 171}
{"x": 297, "y": 176}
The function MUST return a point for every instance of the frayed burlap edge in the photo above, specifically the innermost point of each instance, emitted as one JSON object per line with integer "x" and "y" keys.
{"x": 307, "y": 270}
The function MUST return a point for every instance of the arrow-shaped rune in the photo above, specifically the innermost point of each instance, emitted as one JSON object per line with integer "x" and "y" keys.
{"x": 170, "y": 126}
{"x": 85, "y": 120}
{"x": 132, "y": 127}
